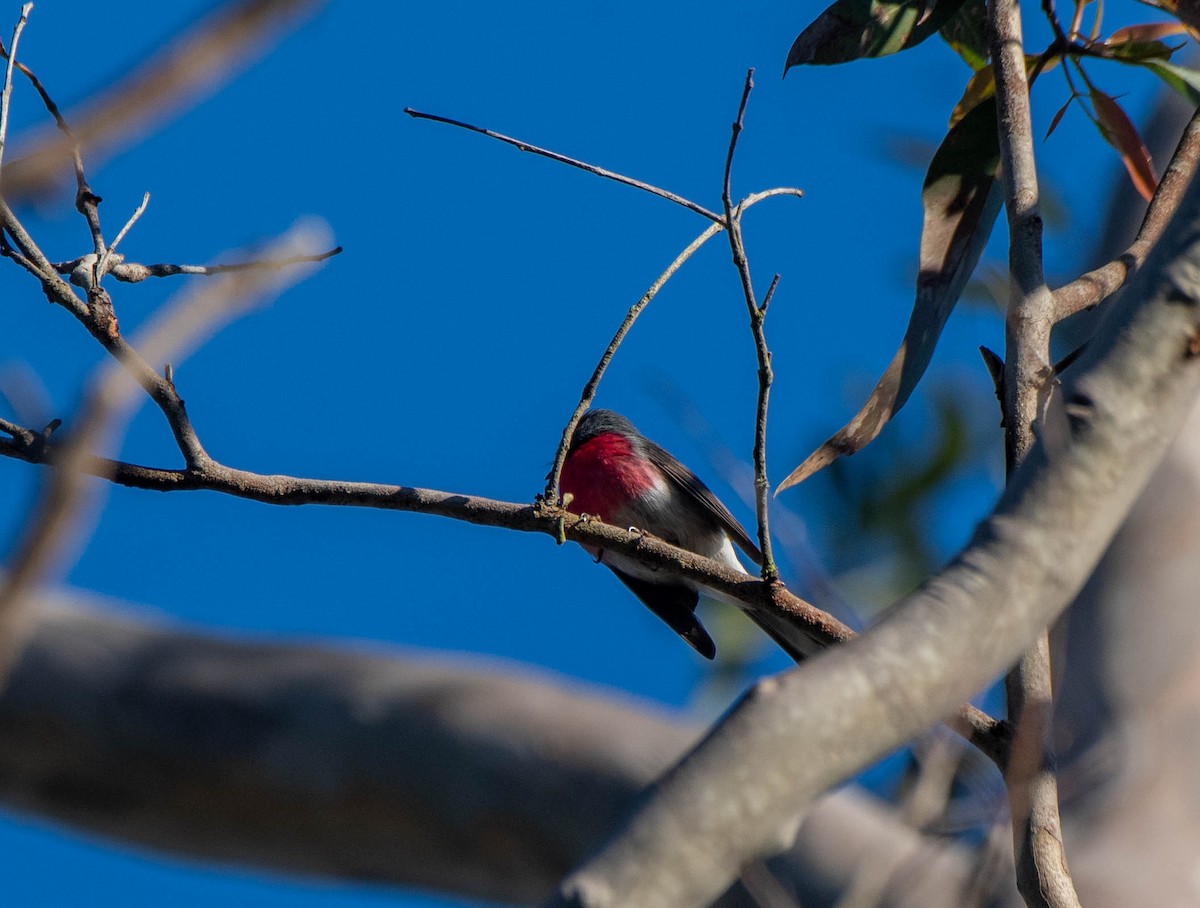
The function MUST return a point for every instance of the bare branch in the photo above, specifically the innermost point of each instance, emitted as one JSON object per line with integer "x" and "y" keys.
{"x": 573, "y": 162}
{"x": 197, "y": 62}
{"x": 769, "y": 603}
{"x": 551, "y": 493}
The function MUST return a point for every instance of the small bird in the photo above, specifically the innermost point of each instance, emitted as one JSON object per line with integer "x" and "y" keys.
{"x": 616, "y": 474}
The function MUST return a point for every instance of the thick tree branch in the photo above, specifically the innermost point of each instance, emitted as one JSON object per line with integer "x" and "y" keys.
{"x": 480, "y": 780}
{"x": 734, "y": 798}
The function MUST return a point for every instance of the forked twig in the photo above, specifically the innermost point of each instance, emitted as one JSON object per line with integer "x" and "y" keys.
{"x": 733, "y": 226}
{"x": 101, "y": 268}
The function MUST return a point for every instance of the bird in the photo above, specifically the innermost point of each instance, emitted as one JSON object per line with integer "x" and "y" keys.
{"x": 614, "y": 473}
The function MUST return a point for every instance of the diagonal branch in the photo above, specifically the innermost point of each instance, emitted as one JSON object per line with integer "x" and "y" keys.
{"x": 6, "y": 93}
{"x": 183, "y": 69}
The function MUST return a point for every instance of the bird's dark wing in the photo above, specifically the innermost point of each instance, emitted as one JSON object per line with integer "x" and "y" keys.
{"x": 676, "y": 605}
{"x": 691, "y": 484}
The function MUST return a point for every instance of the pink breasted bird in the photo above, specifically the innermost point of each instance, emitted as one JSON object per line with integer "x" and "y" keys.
{"x": 614, "y": 473}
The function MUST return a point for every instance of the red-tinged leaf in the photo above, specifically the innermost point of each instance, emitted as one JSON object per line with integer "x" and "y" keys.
{"x": 961, "y": 198}
{"x": 852, "y": 29}
{"x": 1118, "y": 130}
{"x": 1147, "y": 31}
{"x": 1058, "y": 117}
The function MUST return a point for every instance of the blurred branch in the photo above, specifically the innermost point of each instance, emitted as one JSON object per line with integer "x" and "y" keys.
{"x": 196, "y": 63}
{"x": 300, "y": 758}
{"x": 795, "y": 735}
{"x": 108, "y": 402}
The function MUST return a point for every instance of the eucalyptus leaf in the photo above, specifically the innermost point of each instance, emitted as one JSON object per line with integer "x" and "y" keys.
{"x": 961, "y": 197}
{"x": 852, "y": 29}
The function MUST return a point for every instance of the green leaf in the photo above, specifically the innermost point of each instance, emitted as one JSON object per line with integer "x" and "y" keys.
{"x": 961, "y": 198}
{"x": 1180, "y": 78}
{"x": 966, "y": 33}
{"x": 1138, "y": 51}
{"x": 851, "y": 29}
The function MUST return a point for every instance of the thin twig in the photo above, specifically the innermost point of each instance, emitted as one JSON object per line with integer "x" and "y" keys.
{"x": 1099, "y": 284}
{"x": 737, "y": 246}
{"x": 1041, "y": 868}
{"x": 563, "y": 159}
{"x": 101, "y": 268}
{"x": 6, "y": 94}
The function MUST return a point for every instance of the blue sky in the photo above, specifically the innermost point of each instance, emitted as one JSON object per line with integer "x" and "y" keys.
{"x": 448, "y": 344}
